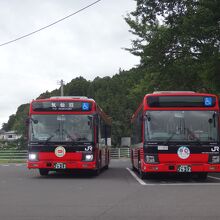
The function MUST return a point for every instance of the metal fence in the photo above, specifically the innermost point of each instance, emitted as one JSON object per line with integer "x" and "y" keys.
{"x": 117, "y": 153}
{"x": 13, "y": 155}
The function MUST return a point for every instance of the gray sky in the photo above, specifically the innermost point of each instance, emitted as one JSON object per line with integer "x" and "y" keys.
{"x": 88, "y": 44}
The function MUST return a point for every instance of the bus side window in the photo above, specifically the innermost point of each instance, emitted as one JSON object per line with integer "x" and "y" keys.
{"x": 107, "y": 135}
{"x": 103, "y": 138}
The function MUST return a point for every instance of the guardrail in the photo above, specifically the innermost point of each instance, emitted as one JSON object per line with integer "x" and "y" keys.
{"x": 10, "y": 155}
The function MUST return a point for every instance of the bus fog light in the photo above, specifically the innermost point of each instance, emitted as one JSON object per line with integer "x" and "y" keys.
{"x": 33, "y": 156}
{"x": 154, "y": 168}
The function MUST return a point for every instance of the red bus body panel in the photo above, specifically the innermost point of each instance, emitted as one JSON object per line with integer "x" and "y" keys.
{"x": 169, "y": 162}
{"x": 72, "y": 160}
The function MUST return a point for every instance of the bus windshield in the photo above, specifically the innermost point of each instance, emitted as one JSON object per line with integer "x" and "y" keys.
{"x": 174, "y": 126}
{"x": 61, "y": 128}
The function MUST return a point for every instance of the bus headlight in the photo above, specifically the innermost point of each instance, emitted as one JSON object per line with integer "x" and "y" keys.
{"x": 151, "y": 158}
{"x": 88, "y": 157}
{"x": 33, "y": 156}
{"x": 214, "y": 159}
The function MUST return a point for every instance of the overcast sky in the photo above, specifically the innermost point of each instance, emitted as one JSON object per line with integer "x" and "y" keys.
{"x": 88, "y": 44}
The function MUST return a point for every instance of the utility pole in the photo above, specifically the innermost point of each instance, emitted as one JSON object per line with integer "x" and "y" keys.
{"x": 61, "y": 83}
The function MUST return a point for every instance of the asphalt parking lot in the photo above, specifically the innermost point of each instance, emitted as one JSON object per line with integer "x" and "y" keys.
{"x": 116, "y": 193}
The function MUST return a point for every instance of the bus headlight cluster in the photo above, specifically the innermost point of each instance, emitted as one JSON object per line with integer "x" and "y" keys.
{"x": 88, "y": 157}
{"x": 33, "y": 156}
{"x": 152, "y": 158}
{"x": 214, "y": 159}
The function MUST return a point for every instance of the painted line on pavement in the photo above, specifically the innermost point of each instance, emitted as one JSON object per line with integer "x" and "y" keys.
{"x": 213, "y": 177}
{"x": 172, "y": 184}
{"x": 185, "y": 184}
{"x": 136, "y": 177}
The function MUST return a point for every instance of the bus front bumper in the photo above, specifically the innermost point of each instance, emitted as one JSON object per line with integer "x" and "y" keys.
{"x": 55, "y": 165}
{"x": 178, "y": 168}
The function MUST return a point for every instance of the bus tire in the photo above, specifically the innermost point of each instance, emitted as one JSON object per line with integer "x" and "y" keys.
{"x": 98, "y": 170}
{"x": 202, "y": 176}
{"x": 133, "y": 168}
{"x": 132, "y": 162}
{"x": 43, "y": 172}
{"x": 141, "y": 173}
{"x": 108, "y": 161}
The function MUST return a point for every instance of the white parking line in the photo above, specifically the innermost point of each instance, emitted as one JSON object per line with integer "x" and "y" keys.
{"x": 172, "y": 184}
{"x": 136, "y": 177}
{"x": 213, "y": 177}
{"x": 185, "y": 184}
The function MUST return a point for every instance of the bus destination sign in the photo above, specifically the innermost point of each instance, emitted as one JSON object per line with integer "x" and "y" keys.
{"x": 181, "y": 101}
{"x": 61, "y": 106}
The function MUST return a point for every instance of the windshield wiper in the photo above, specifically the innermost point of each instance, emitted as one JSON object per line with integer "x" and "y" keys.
{"x": 69, "y": 136}
{"x": 194, "y": 137}
{"x": 49, "y": 138}
{"x": 170, "y": 138}
{"x": 74, "y": 139}
{"x": 82, "y": 139}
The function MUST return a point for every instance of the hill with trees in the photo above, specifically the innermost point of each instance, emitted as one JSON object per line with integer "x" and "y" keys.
{"x": 113, "y": 94}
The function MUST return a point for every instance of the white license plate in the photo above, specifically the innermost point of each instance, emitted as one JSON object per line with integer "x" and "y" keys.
{"x": 60, "y": 166}
{"x": 184, "y": 169}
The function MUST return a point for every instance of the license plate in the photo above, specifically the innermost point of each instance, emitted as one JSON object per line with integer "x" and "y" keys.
{"x": 184, "y": 169}
{"x": 60, "y": 166}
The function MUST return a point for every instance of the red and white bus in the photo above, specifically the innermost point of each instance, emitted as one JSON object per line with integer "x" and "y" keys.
{"x": 176, "y": 132}
{"x": 68, "y": 133}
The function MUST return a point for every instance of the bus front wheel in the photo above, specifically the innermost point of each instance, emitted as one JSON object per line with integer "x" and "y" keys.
{"x": 202, "y": 176}
{"x": 98, "y": 169}
{"x": 43, "y": 172}
{"x": 141, "y": 173}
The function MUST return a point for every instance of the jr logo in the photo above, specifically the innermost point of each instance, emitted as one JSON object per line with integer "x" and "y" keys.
{"x": 88, "y": 148}
{"x": 214, "y": 149}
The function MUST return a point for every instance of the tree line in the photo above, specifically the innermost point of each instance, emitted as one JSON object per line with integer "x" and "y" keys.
{"x": 178, "y": 43}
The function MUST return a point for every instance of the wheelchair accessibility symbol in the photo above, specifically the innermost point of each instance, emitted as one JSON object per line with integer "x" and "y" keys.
{"x": 208, "y": 101}
{"x": 85, "y": 106}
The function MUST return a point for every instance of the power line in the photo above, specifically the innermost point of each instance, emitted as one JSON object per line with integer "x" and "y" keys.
{"x": 38, "y": 30}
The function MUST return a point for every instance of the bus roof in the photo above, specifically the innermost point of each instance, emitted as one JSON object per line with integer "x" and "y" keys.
{"x": 178, "y": 93}
{"x": 170, "y": 92}
{"x": 94, "y": 107}
{"x": 144, "y": 105}
{"x": 65, "y": 98}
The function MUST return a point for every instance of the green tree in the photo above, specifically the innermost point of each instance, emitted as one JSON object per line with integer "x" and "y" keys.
{"x": 9, "y": 125}
{"x": 178, "y": 43}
